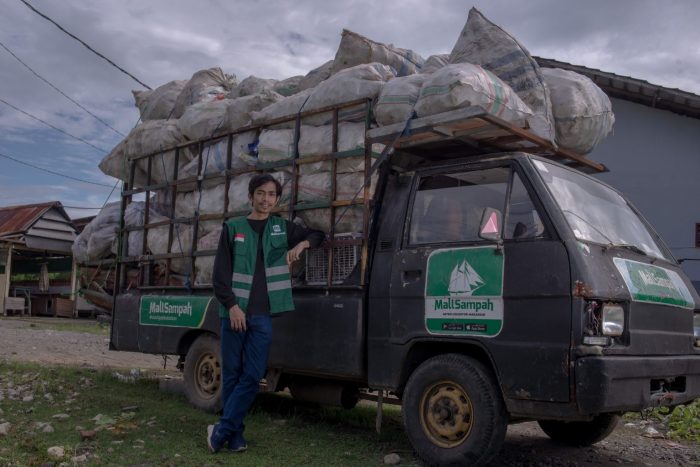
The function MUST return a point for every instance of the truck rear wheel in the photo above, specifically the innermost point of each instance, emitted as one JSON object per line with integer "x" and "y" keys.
{"x": 580, "y": 433}
{"x": 453, "y": 411}
{"x": 202, "y": 373}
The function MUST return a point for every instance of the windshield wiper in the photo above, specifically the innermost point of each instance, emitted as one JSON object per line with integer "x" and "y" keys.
{"x": 630, "y": 247}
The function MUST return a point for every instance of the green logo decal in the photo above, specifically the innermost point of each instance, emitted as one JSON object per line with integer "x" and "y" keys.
{"x": 177, "y": 311}
{"x": 654, "y": 284}
{"x": 464, "y": 292}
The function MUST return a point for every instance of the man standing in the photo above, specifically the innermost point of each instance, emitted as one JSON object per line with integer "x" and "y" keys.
{"x": 252, "y": 282}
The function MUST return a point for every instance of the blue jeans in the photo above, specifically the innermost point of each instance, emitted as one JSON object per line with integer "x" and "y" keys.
{"x": 243, "y": 365}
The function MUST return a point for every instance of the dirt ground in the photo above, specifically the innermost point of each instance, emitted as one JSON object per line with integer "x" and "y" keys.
{"x": 526, "y": 444}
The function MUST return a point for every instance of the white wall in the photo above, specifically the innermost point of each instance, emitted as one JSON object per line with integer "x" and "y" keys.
{"x": 654, "y": 158}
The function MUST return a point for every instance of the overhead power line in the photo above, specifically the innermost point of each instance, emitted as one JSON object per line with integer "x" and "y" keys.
{"x": 86, "y": 45}
{"x": 55, "y": 128}
{"x": 61, "y": 92}
{"x": 53, "y": 172}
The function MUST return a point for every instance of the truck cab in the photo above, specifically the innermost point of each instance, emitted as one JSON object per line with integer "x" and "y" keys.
{"x": 487, "y": 287}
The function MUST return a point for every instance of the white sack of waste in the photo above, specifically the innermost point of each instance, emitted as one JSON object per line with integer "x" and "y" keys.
{"x": 204, "y": 265}
{"x": 286, "y": 107}
{"x": 288, "y": 86}
{"x": 316, "y": 187}
{"x": 356, "y": 49}
{"x": 397, "y": 99}
{"x": 315, "y": 76}
{"x": 158, "y": 104}
{"x": 98, "y": 236}
{"x": 252, "y": 85}
{"x": 362, "y": 81}
{"x": 347, "y": 219}
{"x": 434, "y": 63}
{"x": 359, "y": 82}
{"x": 582, "y": 111}
{"x": 207, "y": 119}
{"x": 155, "y": 136}
{"x": 115, "y": 164}
{"x": 204, "y": 86}
{"x": 464, "y": 85}
{"x": 484, "y": 43}
{"x": 214, "y": 156}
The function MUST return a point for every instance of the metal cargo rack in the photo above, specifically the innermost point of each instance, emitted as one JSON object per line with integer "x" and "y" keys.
{"x": 472, "y": 131}
{"x": 145, "y": 261}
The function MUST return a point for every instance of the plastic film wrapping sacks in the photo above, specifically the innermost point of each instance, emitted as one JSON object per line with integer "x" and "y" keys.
{"x": 356, "y": 49}
{"x": 204, "y": 86}
{"x": 483, "y": 43}
{"x": 582, "y": 111}
{"x": 463, "y": 85}
{"x": 398, "y": 96}
{"x": 158, "y": 104}
{"x": 97, "y": 238}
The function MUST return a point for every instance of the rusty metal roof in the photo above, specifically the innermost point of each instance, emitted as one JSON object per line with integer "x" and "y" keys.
{"x": 18, "y": 219}
{"x": 634, "y": 90}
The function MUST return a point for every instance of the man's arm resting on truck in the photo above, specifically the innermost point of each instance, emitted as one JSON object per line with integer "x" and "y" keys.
{"x": 221, "y": 280}
{"x": 300, "y": 238}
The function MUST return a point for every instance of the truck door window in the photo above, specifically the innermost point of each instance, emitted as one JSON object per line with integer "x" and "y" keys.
{"x": 448, "y": 207}
{"x": 523, "y": 220}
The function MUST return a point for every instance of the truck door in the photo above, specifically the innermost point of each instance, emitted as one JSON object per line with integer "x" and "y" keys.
{"x": 513, "y": 299}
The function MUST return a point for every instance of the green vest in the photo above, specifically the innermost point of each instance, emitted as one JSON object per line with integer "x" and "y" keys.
{"x": 244, "y": 245}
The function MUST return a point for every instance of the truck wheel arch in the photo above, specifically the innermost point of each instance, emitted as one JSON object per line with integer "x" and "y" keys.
{"x": 421, "y": 351}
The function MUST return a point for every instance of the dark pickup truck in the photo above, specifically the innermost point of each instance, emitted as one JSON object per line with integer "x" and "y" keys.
{"x": 493, "y": 281}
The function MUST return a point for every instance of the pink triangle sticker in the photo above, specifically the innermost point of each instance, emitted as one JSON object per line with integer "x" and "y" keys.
{"x": 491, "y": 226}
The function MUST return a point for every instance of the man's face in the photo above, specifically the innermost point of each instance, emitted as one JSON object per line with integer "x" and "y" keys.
{"x": 264, "y": 198}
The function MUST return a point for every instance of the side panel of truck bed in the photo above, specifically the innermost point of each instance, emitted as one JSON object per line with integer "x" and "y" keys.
{"x": 324, "y": 335}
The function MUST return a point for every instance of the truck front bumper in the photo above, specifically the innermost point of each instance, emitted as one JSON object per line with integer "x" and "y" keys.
{"x": 617, "y": 383}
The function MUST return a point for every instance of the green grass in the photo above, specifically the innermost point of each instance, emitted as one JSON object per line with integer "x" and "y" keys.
{"x": 165, "y": 430}
{"x": 681, "y": 422}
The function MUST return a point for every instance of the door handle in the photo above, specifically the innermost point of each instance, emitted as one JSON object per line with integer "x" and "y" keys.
{"x": 411, "y": 275}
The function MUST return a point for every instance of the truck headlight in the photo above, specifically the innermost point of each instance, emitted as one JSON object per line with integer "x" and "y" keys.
{"x": 613, "y": 320}
{"x": 696, "y": 329}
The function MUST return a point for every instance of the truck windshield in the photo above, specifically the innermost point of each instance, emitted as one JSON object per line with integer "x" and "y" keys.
{"x": 598, "y": 214}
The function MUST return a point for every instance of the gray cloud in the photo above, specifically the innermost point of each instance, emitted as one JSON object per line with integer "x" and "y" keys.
{"x": 162, "y": 40}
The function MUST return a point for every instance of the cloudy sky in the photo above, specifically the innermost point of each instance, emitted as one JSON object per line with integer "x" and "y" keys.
{"x": 161, "y": 40}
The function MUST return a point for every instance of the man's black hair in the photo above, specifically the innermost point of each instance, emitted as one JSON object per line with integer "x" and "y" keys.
{"x": 262, "y": 179}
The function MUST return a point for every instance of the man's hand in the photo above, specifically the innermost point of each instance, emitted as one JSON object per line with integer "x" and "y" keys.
{"x": 237, "y": 318}
{"x": 295, "y": 253}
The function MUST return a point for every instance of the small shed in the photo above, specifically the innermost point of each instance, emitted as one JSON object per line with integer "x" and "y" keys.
{"x": 37, "y": 273}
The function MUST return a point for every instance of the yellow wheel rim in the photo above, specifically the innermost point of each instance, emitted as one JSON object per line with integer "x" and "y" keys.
{"x": 208, "y": 375}
{"x": 446, "y": 414}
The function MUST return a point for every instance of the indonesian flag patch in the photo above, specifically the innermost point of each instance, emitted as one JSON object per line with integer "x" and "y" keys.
{"x": 239, "y": 237}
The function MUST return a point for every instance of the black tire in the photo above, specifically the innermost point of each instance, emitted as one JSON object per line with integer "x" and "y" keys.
{"x": 453, "y": 411}
{"x": 580, "y": 433}
{"x": 202, "y": 374}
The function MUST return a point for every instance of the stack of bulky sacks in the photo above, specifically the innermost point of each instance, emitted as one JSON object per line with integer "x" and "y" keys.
{"x": 487, "y": 67}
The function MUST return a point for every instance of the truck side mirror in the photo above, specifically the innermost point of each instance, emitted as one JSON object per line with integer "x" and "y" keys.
{"x": 490, "y": 225}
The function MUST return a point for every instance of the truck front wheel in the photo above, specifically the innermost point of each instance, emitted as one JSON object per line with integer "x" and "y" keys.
{"x": 453, "y": 411}
{"x": 202, "y": 374}
{"x": 580, "y": 433}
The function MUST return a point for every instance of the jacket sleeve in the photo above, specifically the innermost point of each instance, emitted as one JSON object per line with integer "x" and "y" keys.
{"x": 223, "y": 270}
{"x": 297, "y": 234}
